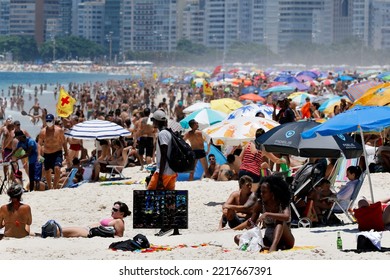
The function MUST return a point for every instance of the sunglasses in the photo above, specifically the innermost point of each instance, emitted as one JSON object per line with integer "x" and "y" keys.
{"x": 49, "y": 121}
{"x": 115, "y": 210}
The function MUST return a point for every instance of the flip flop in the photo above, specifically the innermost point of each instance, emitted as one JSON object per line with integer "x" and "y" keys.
{"x": 24, "y": 113}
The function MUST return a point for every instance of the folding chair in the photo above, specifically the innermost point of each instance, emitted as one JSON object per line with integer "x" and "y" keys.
{"x": 352, "y": 200}
{"x": 118, "y": 169}
{"x": 69, "y": 179}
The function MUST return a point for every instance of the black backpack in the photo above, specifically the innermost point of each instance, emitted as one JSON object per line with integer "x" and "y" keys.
{"x": 182, "y": 157}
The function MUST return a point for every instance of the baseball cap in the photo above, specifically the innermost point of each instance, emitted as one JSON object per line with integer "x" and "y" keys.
{"x": 282, "y": 97}
{"x": 16, "y": 122}
{"x": 10, "y": 118}
{"x": 49, "y": 118}
{"x": 159, "y": 115}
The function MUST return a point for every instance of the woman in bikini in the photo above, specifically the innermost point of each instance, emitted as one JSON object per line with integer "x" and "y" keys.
{"x": 272, "y": 211}
{"x": 118, "y": 212}
{"x": 15, "y": 217}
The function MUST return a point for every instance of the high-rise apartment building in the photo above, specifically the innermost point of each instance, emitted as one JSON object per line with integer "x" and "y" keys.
{"x": 148, "y": 25}
{"x": 91, "y": 21}
{"x": 4, "y": 17}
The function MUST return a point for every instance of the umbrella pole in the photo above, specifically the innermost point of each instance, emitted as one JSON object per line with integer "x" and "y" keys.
{"x": 366, "y": 161}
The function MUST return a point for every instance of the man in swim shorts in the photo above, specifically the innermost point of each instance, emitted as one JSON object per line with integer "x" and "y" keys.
{"x": 53, "y": 143}
{"x": 195, "y": 137}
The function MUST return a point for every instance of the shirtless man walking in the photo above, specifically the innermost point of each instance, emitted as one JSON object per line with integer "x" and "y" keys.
{"x": 146, "y": 135}
{"x": 9, "y": 132}
{"x": 52, "y": 140}
{"x": 195, "y": 137}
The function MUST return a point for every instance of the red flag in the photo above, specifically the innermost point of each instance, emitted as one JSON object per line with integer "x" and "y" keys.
{"x": 216, "y": 71}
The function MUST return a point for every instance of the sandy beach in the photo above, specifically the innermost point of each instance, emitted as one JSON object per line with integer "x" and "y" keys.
{"x": 90, "y": 202}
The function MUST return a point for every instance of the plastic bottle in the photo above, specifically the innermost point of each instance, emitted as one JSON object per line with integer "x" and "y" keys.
{"x": 339, "y": 241}
{"x": 244, "y": 246}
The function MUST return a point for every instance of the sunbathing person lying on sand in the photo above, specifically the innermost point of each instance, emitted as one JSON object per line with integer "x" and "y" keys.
{"x": 119, "y": 211}
{"x": 15, "y": 217}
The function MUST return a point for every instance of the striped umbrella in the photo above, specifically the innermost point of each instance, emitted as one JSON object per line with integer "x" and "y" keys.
{"x": 357, "y": 90}
{"x": 97, "y": 129}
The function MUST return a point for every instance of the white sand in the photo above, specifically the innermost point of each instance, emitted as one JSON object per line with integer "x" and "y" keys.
{"x": 91, "y": 202}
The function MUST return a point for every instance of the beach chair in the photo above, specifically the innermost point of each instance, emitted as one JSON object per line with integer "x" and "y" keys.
{"x": 114, "y": 170}
{"x": 69, "y": 179}
{"x": 340, "y": 209}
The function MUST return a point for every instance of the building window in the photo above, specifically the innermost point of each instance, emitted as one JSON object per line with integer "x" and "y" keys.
{"x": 344, "y": 8}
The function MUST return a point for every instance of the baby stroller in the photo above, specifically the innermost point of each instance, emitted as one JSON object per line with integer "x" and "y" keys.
{"x": 305, "y": 179}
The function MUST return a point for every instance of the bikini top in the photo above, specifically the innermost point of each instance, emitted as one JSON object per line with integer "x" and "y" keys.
{"x": 105, "y": 222}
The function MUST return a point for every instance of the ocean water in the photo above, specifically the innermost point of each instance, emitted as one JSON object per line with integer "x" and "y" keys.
{"x": 31, "y": 79}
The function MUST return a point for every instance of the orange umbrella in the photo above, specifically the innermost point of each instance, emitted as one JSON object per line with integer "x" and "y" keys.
{"x": 252, "y": 96}
{"x": 247, "y": 82}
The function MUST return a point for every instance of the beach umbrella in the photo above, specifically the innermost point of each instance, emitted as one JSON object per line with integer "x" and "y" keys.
{"x": 196, "y": 106}
{"x": 225, "y": 105}
{"x": 307, "y": 73}
{"x": 378, "y": 96}
{"x": 238, "y": 131}
{"x": 301, "y": 98}
{"x": 251, "y": 110}
{"x": 304, "y": 78}
{"x": 345, "y": 78}
{"x": 168, "y": 81}
{"x": 97, "y": 129}
{"x": 298, "y": 85}
{"x": 286, "y": 79}
{"x": 284, "y": 88}
{"x": 358, "y": 119}
{"x": 205, "y": 117}
{"x": 250, "y": 89}
{"x": 328, "y": 106}
{"x": 201, "y": 74}
{"x": 252, "y": 96}
{"x": 175, "y": 126}
{"x": 328, "y": 82}
{"x": 356, "y": 91}
{"x": 286, "y": 139}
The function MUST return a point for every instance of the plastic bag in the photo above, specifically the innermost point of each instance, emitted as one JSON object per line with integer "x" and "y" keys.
{"x": 252, "y": 240}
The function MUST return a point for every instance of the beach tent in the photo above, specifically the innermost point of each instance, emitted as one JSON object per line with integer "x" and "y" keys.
{"x": 219, "y": 157}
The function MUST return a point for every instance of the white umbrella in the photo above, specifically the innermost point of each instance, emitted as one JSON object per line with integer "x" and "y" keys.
{"x": 196, "y": 106}
{"x": 97, "y": 129}
{"x": 237, "y": 131}
{"x": 251, "y": 110}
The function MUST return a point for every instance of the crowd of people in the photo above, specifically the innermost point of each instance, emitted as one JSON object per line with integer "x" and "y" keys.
{"x": 146, "y": 111}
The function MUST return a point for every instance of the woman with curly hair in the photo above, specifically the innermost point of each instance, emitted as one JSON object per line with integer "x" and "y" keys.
{"x": 272, "y": 211}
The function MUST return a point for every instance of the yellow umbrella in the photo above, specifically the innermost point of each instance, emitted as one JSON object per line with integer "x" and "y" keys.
{"x": 297, "y": 93}
{"x": 201, "y": 74}
{"x": 225, "y": 105}
{"x": 375, "y": 96}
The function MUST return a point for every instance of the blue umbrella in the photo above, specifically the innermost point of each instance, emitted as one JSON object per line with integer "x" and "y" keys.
{"x": 205, "y": 117}
{"x": 298, "y": 85}
{"x": 168, "y": 81}
{"x": 359, "y": 118}
{"x": 345, "y": 78}
{"x": 250, "y": 89}
{"x": 329, "y": 102}
{"x": 286, "y": 79}
{"x": 277, "y": 89}
{"x": 308, "y": 73}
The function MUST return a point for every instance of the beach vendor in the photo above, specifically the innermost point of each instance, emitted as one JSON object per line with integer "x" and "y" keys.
{"x": 272, "y": 211}
{"x": 15, "y": 217}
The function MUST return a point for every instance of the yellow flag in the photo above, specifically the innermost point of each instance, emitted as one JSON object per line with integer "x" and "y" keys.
{"x": 207, "y": 88}
{"x": 65, "y": 104}
{"x": 155, "y": 76}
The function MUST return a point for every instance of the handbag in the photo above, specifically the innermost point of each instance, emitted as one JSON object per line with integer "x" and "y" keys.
{"x": 252, "y": 240}
{"x": 370, "y": 217}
